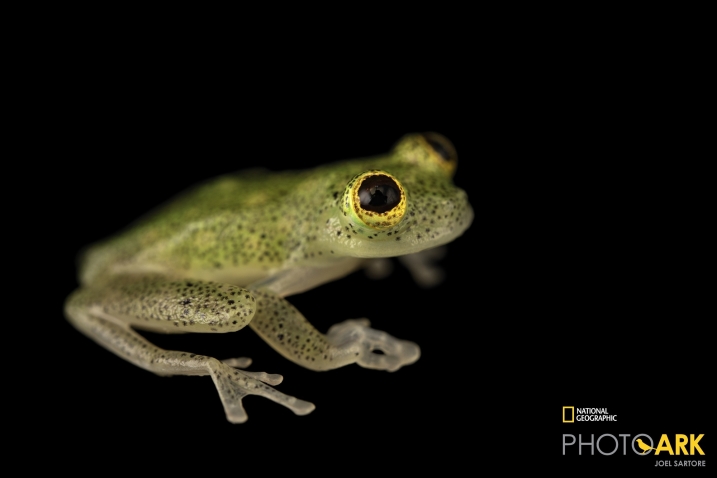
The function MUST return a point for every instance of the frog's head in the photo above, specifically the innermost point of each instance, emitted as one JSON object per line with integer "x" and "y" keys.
{"x": 405, "y": 204}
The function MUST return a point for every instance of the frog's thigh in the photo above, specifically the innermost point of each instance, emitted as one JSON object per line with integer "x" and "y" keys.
{"x": 90, "y": 311}
{"x": 352, "y": 341}
{"x": 159, "y": 304}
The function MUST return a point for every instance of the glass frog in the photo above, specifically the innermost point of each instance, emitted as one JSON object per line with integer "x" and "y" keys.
{"x": 225, "y": 255}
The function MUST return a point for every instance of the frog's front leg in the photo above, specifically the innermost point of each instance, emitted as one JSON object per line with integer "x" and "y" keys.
{"x": 106, "y": 313}
{"x": 352, "y": 341}
{"x": 421, "y": 265}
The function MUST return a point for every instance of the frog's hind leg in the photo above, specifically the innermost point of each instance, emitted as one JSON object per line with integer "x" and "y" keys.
{"x": 104, "y": 314}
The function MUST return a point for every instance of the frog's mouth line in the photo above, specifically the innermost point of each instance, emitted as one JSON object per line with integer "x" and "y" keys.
{"x": 410, "y": 241}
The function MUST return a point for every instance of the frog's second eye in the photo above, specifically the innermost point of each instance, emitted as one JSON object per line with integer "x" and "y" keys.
{"x": 375, "y": 199}
{"x": 441, "y": 150}
{"x": 441, "y": 147}
{"x": 428, "y": 150}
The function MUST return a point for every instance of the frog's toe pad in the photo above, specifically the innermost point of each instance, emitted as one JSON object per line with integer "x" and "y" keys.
{"x": 239, "y": 362}
{"x": 374, "y": 349}
{"x": 236, "y": 413}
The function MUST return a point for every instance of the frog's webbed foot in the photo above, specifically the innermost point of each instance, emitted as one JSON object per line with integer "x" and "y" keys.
{"x": 423, "y": 268}
{"x": 355, "y": 337}
{"x": 233, "y": 385}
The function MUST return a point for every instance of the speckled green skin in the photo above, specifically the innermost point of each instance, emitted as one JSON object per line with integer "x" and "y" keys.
{"x": 224, "y": 255}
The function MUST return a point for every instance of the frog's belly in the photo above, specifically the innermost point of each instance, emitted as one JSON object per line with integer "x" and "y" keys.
{"x": 301, "y": 279}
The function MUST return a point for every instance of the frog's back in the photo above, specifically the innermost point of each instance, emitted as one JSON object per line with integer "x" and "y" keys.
{"x": 188, "y": 228}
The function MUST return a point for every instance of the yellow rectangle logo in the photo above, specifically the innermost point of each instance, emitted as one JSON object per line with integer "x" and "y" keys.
{"x": 570, "y": 416}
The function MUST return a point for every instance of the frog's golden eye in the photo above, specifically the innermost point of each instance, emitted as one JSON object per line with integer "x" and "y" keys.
{"x": 441, "y": 146}
{"x": 428, "y": 150}
{"x": 441, "y": 150}
{"x": 379, "y": 193}
{"x": 375, "y": 199}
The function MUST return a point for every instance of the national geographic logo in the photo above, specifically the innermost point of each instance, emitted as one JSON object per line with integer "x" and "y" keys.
{"x": 679, "y": 445}
{"x": 571, "y": 415}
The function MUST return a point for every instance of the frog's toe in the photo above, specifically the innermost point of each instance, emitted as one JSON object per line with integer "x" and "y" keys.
{"x": 346, "y": 330}
{"x": 244, "y": 362}
{"x": 296, "y": 405}
{"x": 235, "y": 412}
{"x": 270, "y": 378}
{"x": 239, "y": 362}
{"x": 301, "y": 407}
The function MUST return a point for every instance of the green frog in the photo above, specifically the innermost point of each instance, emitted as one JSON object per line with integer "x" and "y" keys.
{"x": 228, "y": 252}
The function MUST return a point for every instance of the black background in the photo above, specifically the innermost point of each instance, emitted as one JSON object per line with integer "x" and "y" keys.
{"x": 575, "y": 285}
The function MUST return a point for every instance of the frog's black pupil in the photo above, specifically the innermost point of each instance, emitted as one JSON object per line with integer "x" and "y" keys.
{"x": 378, "y": 198}
{"x": 379, "y": 193}
{"x": 439, "y": 148}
